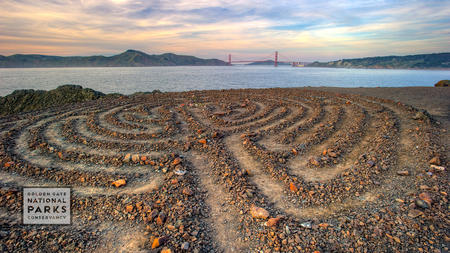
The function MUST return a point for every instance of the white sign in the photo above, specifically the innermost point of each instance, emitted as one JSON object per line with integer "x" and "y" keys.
{"x": 46, "y": 205}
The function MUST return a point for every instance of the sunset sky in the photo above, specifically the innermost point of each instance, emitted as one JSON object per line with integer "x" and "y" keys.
{"x": 306, "y": 30}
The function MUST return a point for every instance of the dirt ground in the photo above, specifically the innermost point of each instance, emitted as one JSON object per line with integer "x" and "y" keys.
{"x": 436, "y": 100}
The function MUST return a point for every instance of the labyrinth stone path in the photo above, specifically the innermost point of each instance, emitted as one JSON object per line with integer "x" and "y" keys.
{"x": 270, "y": 170}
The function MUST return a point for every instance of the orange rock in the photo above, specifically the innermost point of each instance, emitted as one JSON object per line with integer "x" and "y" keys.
{"x": 324, "y": 152}
{"x": 176, "y": 161}
{"x": 324, "y": 225}
{"x": 161, "y": 219}
{"x": 200, "y": 131}
{"x": 348, "y": 102}
{"x": 435, "y": 160}
{"x": 127, "y": 158}
{"x": 129, "y": 208}
{"x": 426, "y": 197}
{"x": 272, "y": 222}
{"x": 294, "y": 151}
{"x": 400, "y": 200}
{"x": 143, "y": 158}
{"x": 60, "y": 155}
{"x": 174, "y": 181}
{"x": 170, "y": 227}
{"x": 152, "y": 163}
{"x": 119, "y": 183}
{"x": 259, "y": 212}
{"x": 135, "y": 158}
{"x": 166, "y": 250}
{"x": 155, "y": 243}
{"x": 187, "y": 191}
{"x": 293, "y": 187}
{"x": 202, "y": 141}
{"x": 8, "y": 164}
{"x": 314, "y": 161}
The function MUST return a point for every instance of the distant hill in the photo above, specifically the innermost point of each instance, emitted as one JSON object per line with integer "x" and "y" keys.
{"x": 30, "y": 100}
{"x": 129, "y": 58}
{"x": 420, "y": 61}
{"x": 268, "y": 62}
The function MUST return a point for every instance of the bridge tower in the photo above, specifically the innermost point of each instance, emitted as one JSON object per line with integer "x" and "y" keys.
{"x": 276, "y": 59}
{"x": 229, "y": 59}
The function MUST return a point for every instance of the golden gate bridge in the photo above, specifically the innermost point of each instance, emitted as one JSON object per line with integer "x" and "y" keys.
{"x": 276, "y": 58}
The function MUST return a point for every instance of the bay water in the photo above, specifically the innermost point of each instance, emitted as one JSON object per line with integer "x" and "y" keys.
{"x": 128, "y": 80}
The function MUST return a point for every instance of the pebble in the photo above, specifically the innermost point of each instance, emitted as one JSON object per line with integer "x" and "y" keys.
{"x": 161, "y": 218}
{"x": 293, "y": 187}
{"x": 176, "y": 161}
{"x": 129, "y": 208}
{"x": 306, "y": 224}
{"x": 8, "y": 164}
{"x": 185, "y": 246}
{"x": 180, "y": 172}
{"x": 127, "y": 158}
{"x": 314, "y": 161}
{"x": 273, "y": 222}
{"x": 259, "y": 212}
{"x": 438, "y": 168}
{"x": 135, "y": 158}
{"x": 435, "y": 161}
{"x": 414, "y": 213}
{"x": 187, "y": 191}
{"x": 426, "y": 197}
{"x": 422, "y": 204}
{"x": 403, "y": 173}
{"x": 157, "y": 242}
{"x": 119, "y": 183}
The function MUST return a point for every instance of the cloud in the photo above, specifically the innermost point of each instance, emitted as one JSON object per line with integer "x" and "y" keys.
{"x": 312, "y": 30}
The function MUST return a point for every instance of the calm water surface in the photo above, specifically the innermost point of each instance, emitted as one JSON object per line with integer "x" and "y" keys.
{"x": 130, "y": 80}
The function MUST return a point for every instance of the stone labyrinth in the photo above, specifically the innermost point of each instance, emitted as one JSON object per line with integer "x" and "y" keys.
{"x": 271, "y": 170}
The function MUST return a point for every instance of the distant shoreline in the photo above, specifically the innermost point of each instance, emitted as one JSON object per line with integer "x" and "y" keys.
{"x": 134, "y": 58}
{"x": 420, "y": 61}
{"x": 244, "y": 65}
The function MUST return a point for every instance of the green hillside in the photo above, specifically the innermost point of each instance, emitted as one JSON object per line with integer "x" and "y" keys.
{"x": 129, "y": 58}
{"x": 421, "y": 61}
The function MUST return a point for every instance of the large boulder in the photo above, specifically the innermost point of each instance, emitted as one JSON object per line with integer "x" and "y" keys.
{"x": 442, "y": 83}
{"x": 30, "y": 100}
